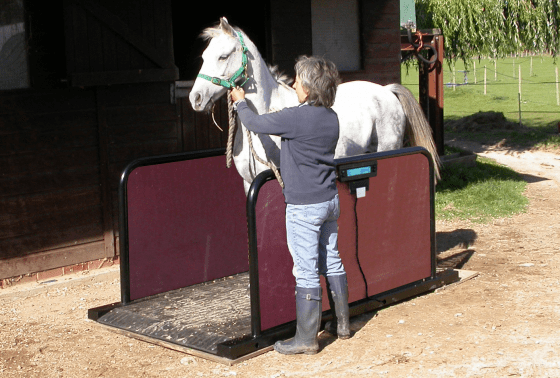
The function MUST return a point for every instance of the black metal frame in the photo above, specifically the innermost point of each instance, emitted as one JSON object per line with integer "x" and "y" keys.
{"x": 259, "y": 339}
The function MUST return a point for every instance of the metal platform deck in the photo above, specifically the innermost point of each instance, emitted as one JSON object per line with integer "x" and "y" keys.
{"x": 198, "y": 317}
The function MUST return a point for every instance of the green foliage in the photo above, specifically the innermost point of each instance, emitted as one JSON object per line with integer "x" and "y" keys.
{"x": 479, "y": 193}
{"x": 492, "y": 28}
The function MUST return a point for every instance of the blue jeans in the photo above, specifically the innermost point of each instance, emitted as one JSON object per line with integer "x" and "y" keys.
{"x": 312, "y": 234}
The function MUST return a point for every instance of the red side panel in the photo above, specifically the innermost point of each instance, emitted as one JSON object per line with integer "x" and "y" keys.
{"x": 394, "y": 221}
{"x": 186, "y": 224}
{"x": 276, "y": 281}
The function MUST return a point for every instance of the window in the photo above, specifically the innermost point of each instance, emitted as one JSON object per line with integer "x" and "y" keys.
{"x": 13, "y": 50}
{"x": 336, "y": 32}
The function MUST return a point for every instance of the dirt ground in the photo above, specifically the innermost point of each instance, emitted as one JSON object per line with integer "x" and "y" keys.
{"x": 505, "y": 322}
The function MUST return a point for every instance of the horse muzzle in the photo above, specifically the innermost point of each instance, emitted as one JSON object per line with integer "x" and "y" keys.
{"x": 202, "y": 99}
{"x": 198, "y": 102}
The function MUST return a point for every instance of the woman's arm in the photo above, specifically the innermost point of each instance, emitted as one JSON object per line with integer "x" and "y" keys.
{"x": 280, "y": 123}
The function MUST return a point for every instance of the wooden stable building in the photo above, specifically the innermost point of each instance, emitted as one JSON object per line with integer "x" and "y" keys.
{"x": 87, "y": 86}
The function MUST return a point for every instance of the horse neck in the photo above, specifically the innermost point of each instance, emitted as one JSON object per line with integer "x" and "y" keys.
{"x": 264, "y": 92}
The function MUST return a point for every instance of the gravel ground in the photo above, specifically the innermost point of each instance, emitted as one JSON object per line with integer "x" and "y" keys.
{"x": 502, "y": 323}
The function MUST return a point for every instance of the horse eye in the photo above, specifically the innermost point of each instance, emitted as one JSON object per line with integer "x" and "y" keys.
{"x": 223, "y": 57}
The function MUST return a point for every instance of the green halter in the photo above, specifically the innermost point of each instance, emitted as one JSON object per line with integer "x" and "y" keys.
{"x": 241, "y": 72}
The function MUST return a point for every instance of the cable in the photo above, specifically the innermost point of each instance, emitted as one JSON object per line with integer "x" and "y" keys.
{"x": 357, "y": 249}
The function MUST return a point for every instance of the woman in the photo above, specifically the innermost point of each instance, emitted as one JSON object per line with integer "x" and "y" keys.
{"x": 309, "y": 133}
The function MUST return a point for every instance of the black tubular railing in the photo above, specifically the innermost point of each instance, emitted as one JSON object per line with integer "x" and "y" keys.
{"x": 252, "y": 197}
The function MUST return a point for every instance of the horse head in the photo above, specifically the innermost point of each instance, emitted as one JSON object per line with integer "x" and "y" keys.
{"x": 224, "y": 64}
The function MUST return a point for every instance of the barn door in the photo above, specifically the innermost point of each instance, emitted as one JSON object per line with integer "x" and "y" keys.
{"x": 119, "y": 42}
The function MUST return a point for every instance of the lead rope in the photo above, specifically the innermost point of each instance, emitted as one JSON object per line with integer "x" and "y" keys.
{"x": 267, "y": 163}
{"x": 229, "y": 149}
{"x": 231, "y": 131}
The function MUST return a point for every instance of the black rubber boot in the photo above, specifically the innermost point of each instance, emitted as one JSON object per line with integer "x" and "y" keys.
{"x": 308, "y": 310}
{"x": 337, "y": 292}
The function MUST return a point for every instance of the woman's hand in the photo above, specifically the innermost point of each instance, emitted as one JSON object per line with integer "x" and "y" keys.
{"x": 237, "y": 94}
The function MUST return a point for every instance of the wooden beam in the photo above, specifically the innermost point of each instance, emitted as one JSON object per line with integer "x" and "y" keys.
{"x": 40, "y": 262}
{"x": 106, "y": 203}
{"x": 123, "y": 77}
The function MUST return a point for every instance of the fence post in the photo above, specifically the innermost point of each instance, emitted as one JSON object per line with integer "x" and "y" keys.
{"x": 519, "y": 104}
{"x": 484, "y": 80}
{"x": 557, "y": 94}
{"x": 454, "y": 78}
{"x": 520, "y": 81}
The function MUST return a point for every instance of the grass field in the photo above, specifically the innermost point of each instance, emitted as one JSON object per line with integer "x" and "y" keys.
{"x": 488, "y": 190}
{"x": 480, "y": 193}
{"x": 540, "y": 113}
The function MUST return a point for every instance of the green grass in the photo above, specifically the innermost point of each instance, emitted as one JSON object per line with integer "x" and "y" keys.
{"x": 479, "y": 194}
{"x": 540, "y": 113}
{"x": 489, "y": 190}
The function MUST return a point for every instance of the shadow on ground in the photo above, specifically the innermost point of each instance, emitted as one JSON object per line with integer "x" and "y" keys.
{"x": 461, "y": 239}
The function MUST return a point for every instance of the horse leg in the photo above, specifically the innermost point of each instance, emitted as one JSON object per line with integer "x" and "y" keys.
{"x": 246, "y": 186}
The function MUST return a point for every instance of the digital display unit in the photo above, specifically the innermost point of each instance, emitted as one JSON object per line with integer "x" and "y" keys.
{"x": 357, "y": 171}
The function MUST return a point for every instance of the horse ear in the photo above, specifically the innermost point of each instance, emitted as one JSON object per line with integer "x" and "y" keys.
{"x": 226, "y": 27}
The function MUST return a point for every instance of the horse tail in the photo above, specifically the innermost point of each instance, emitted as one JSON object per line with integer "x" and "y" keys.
{"x": 417, "y": 130}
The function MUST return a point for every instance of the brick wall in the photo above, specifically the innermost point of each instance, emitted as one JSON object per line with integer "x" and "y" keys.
{"x": 381, "y": 45}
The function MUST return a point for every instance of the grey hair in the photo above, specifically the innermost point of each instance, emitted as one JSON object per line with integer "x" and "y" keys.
{"x": 320, "y": 79}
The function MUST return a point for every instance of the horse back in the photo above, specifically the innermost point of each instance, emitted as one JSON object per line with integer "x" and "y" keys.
{"x": 371, "y": 118}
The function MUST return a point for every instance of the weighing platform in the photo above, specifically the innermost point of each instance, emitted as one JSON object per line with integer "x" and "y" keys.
{"x": 206, "y": 269}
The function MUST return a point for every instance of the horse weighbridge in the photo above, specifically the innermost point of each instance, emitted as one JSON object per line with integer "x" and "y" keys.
{"x": 187, "y": 283}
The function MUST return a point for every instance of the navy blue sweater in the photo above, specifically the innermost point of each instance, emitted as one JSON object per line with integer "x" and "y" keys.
{"x": 309, "y": 136}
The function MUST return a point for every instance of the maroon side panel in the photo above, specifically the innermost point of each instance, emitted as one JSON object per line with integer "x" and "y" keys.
{"x": 394, "y": 237}
{"x": 186, "y": 225}
{"x": 347, "y": 244}
{"x": 276, "y": 282}
{"x": 394, "y": 224}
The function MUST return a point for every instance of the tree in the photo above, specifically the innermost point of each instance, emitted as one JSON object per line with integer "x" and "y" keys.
{"x": 492, "y": 28}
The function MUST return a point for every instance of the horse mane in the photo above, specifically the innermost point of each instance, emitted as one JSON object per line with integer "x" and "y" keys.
{"x": 279, "y": 76}
{"x": 214, "y": 31}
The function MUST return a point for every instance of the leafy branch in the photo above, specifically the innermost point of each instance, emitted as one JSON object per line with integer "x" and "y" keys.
{"x": 492, "y": 28}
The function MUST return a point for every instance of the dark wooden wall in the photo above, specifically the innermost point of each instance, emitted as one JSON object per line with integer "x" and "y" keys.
{"x": 50, "y": 180}
{"x": 115, "y": 42}
{"x": 100, "y": 98}
{"x": 66, "y": 140}
{"x": 62, "y": 153}
{"x": 290, "y": 28}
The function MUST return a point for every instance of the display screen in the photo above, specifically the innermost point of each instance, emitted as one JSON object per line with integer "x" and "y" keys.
{"x": 358, "y": 171}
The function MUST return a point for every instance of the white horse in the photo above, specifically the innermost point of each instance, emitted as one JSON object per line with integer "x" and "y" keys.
{"x": 373, "y": 118}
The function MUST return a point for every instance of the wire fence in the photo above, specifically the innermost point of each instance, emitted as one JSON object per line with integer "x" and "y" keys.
{"x": 524, "y": 89}
{"x": 486, "y": 76}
